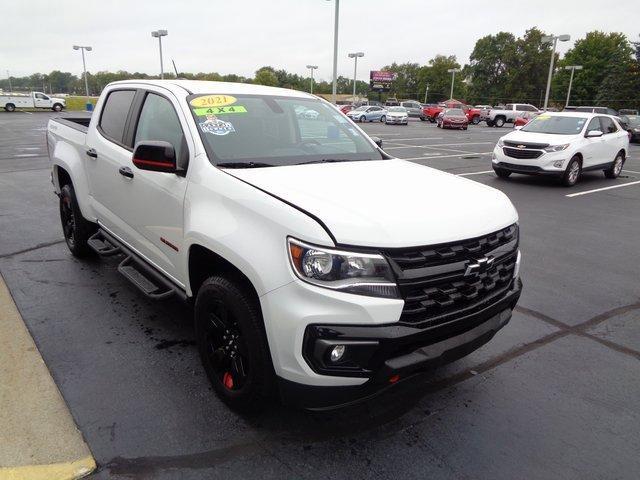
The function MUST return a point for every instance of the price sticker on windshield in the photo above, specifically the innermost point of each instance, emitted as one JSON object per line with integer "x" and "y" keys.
{"x": 213, "y": 101}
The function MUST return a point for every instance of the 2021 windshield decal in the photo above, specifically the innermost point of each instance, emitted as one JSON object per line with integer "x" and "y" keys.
{"x": 216, "y": 126}
{"x": 213, "y": 101}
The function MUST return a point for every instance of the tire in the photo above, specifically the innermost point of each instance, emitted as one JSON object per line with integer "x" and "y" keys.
{"x": 572, "y": 173}
{"x": 75, "y": 228}
{"x": 10, "y": 107}
{"x": 363, "y": 119}
{"x": 432, "y": 119}
{"x": 616, "y": 167}
{"x": 502, "y": 173}
{"x": 57, "y": 107}
{"x": 475, "y": 119}
{"x": 464, "y": 128}
{"x": 438, "y": 125}
{"x": 383, "y": 118}
{"x": 499, "y": 122}
{"x": 422, "y": 119}
{"x": 490, "y": 123}
{"x": 232, "y": 344}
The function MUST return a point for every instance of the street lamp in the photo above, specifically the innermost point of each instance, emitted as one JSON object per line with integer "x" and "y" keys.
{"x": 159, "y": 34}
{"x": 312, "y": 68}
{"x": 9, "y": 77}
{"x": 355, "y": 57}
{"x": 573, "y": 68}
{"x": 84, "y": 66}
{"x": 552, "y": 39}
{"x": 334, "y": 89}
{"x": 453, "y": 72}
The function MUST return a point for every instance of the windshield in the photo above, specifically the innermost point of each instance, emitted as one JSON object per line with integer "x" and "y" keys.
{"x": 556, "y": 125}
{"x": 454, "y": 112}
{"x": 257, "y": 130}
{"x": 359, "y": 109}
{"x": 398, "y": 109}
{"x": 632, "y": 120}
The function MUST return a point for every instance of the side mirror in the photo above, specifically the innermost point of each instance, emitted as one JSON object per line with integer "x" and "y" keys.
{"x": 156, "y": 156}
{"x": 377, "y": 141}
{"x": 594, "y": 134}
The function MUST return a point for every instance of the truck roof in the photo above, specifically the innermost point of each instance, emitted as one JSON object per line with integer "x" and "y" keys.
{"x": 202, "y": 86}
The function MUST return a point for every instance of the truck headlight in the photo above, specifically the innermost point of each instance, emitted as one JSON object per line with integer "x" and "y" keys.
{"x": 352, "y": 272}
{"x": 557, "y": 148}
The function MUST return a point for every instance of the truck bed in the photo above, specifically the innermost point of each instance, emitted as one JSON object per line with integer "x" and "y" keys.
{"x": 80, "y": 123}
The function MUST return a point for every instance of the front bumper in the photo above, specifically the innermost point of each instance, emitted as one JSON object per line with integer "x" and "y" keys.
{"x": 552, "y": 163}
{"x": 400, "y": 352}
{"x": 398, "y": 121}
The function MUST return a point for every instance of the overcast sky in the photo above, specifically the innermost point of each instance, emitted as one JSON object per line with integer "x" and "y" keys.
{"x": 239, "y": 36}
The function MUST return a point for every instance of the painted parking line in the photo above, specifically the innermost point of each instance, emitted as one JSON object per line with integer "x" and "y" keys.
{"x": 631, "y": 171}
{"x": 628, "y": 184}
{"x": 473, "y": 173}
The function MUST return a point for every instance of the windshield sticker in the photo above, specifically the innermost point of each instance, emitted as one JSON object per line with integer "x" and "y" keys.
{"x": 213, "y": 101}
{"x": 216, "y": 126}
{"x": 543, "y": 117}
{"x": 201, "y": 112}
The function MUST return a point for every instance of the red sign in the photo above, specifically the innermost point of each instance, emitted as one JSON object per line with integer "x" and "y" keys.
{"x": 382, "y": 76}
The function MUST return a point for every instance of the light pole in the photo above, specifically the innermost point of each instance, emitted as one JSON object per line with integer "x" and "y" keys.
{"x": 334, "y": 89}
{"x": 159, "y": 34}
{"x": 355, "y": 57}
{"x": 573, "y": 68}
{"x": 311, "y": 68}
{"x": 552, "y": 39}
{"x": 84, "y": 67}
{"x": 9, "y": 77}
{"x": 453, "y": 72}
{"x": 426, "y": 92}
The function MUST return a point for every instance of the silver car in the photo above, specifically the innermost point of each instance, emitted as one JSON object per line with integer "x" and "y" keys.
{"x": 368, "y": 113}
{"x": 397, "y": 115}
{"x": 414, "y": 109}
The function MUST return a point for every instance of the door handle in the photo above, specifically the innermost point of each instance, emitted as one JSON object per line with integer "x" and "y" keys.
{"x": 126, "y": 172}
{"x": 92, "y": 153}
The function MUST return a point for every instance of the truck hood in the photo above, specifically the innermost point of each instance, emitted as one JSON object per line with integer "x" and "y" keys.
{"x": 387, "y": 203}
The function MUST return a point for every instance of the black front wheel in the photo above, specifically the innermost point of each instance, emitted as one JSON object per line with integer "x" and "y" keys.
{"x": 502, "y": 173}
{"x": 616, "y": 167}
{"x": 75, "y": 227}
{"x": 232, "y": 344}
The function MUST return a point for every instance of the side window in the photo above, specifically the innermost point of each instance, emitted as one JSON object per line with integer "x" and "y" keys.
{"x": 159, "y": 121}
{"x": 41, "y": 96}
{"x": 509, "y": 106}
{"x": 114, "y": 114}
{"x": 607, "y": 125}
{"x": 594, "y": 124}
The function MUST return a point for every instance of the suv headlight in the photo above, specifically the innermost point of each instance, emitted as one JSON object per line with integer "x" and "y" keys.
{"x": 500, "y": 143}
{"x": 557, "y": 148}
{"x": 352, "y": 272}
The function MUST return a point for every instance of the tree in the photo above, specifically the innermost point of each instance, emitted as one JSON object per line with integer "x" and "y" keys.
{"x": 407, "y": 81}
{"x": 266, "y": 76}
{"x": 602, "y": 55}
{"x": 435, "y": 74}
{"x": 527, "y": 79}
{"x": 491, "y": 64}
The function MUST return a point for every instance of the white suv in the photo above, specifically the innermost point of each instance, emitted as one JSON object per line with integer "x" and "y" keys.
{"x": 563, "y": 145}
{"x": 319, "y": 267}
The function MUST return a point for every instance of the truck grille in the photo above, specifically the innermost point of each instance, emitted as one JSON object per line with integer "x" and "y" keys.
{"x": 521, "y": 153}
{"x": 433, "y": 283}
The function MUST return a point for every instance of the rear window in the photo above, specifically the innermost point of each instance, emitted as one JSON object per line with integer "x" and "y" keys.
{"x": 114, "y": 114}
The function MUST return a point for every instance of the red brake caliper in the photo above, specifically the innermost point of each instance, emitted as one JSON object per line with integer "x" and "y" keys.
{"x": 227, "y": 380}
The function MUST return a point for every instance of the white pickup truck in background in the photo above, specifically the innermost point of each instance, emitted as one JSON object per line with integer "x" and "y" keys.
{"x": 319, "y": 267}
{"x": 11, "y": 101}
{"x": 511, "y": 111}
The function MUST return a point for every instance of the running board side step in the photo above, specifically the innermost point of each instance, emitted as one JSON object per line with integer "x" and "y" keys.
{"x": 152, "y": 283}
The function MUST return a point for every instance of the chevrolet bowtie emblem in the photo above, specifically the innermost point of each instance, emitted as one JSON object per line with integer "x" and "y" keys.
{"x": 478, "y": 266}
{"x": 521, "y": 146}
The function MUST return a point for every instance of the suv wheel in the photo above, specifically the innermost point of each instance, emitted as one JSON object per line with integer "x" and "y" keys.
{"x": 76, "y": 229}
{"x": 572, "y": 173}
{"x": 616, "y": 167}
{"x": 502, "y": 173}
{"x": 232, "y": 344}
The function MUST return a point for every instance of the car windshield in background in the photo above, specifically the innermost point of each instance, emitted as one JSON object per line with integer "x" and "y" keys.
{"x": 262, "y": 131}
{"x": 632, "y": 120}
{"x": 557, "y": 125}
{"x": 360, "y": 109}
{"x": 398, "y": 109}
{"x": 455, "y": 112}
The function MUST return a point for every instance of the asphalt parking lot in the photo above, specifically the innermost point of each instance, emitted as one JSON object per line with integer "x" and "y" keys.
{"x": 553, "y": 395}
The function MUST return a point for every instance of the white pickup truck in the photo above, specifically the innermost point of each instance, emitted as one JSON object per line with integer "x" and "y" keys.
{"x": 508, "y": 114}
{"x": 321, "y": 269}
{"x": 11, "y": 101}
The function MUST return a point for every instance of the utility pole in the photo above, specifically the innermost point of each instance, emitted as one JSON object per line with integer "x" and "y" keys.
{"x": 426, "y": 92}
{"x": 553, "y": 40}
{"x": 452, "y": 71}
{"x": 334, "y": 90}
{"x": 573, "y": 68}
{"x": 84, "y": 67}
{"x": 159, "y": 34}
{"x": 355, "y": 57}
{"x": 10, "y": 87}
{"x": 311, "y": 68}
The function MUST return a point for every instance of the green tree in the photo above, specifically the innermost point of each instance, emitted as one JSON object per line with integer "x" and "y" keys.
{"x": 266, "y": 76}
{"x": 527, "y": 77}
{"x": 491, "y": 64}
{"x": 435, "y": 74}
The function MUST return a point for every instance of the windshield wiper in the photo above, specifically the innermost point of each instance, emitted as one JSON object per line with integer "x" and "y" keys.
{"x": 330, "y": 160}
{"x": 244, "y": 165}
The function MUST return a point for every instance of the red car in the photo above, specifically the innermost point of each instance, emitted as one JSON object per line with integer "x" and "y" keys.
{"x": 347, "y": 108}
{"x": 472, "y": 113}
{"x": 453, "y": 118}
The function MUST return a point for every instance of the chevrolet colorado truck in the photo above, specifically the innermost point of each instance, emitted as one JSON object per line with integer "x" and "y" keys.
{"x": 321, "y": 270}
{"x": 498, "y": 117}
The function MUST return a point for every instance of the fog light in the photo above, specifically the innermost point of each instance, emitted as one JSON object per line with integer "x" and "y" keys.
{"x": 558, "y": 164}
{"x": 337, "y": 353}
